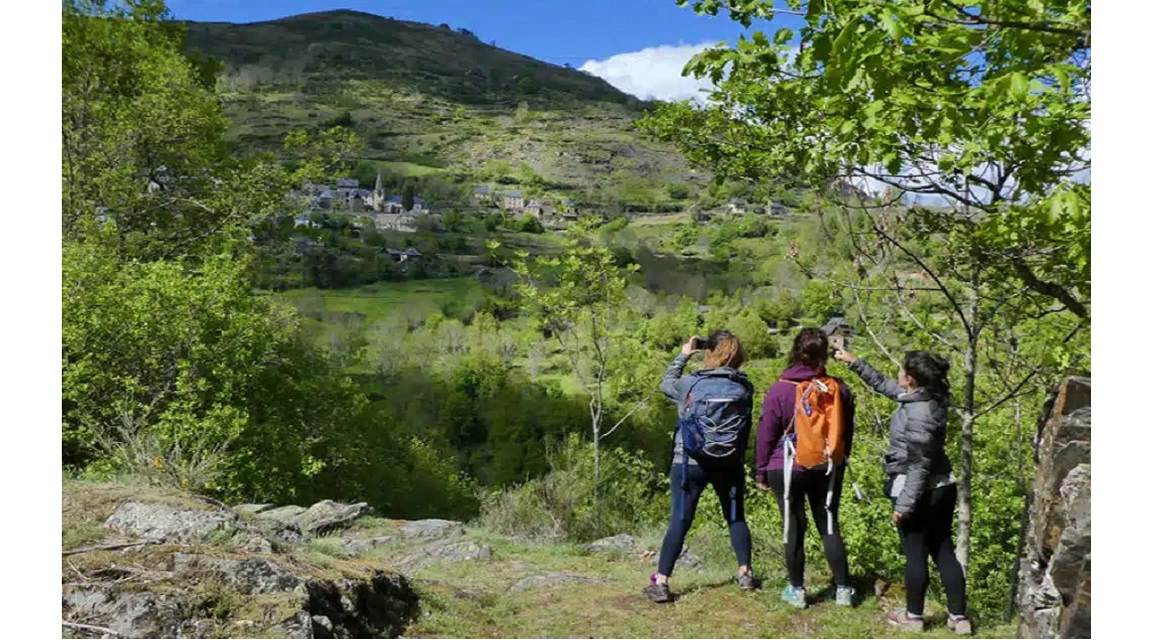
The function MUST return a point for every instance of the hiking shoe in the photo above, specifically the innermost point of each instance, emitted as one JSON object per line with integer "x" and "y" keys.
{"x": 746, "y": 581}
{"x": 844, "y": 596}
{"x": 960, "y": 626}
{"x": 903, "y": 620}
{"x": 657, "y": 592}
{"x": 795, "y": 597}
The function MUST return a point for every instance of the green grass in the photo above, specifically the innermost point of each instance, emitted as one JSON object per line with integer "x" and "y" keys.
{"x": 383, "y": 300}
{"x": 411, "y": 169}
{"x": 472, "y": 600}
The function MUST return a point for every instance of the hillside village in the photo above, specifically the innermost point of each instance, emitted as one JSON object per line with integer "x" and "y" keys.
{"x": 387, "y": 211}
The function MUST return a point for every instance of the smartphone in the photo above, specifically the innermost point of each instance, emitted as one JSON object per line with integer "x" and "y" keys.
{"x": 703, "y": 344}
{"x": 838, "y": 343}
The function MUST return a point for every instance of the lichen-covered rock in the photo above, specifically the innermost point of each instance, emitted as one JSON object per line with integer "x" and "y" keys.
{"x": 687, "y": 559}
{"x": 252, "y": 509}
{"x": 329, "y": 515}
{"x": 431, "y": 528}
{"x": 462, "y": 551}
{"x": 284, "y": 514}
{"x": 160, "y": 521}
{"x": 1054, "y": 581}
{"x": 621, "y": 543}
{"x": 131, "y": 614}
{"x": 358, "y": 546}
{"x": 246, "y": 575}
{"x": 377, "y": 607}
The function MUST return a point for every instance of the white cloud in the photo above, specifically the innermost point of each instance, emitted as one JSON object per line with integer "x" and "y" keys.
{"x": 655, "y": 72}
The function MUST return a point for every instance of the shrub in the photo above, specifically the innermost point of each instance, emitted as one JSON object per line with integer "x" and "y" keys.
{"x": 531, "y": 224}
{"x": 561, "y": 505}
{"x": 167, "y": 367}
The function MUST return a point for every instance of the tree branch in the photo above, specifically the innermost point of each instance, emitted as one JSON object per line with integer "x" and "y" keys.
{"x": 1051, "y": 289}
{"x": 109, "y": 547}
{"x": 90, "y": 628}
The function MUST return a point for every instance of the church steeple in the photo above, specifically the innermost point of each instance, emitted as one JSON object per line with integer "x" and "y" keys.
{"x": 378, "y": 195}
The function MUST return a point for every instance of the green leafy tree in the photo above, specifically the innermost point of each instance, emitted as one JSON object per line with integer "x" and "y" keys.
{"x": 531, "y": 224}
{"x": 577, "y": 297}
{"x": 981, "y": 106}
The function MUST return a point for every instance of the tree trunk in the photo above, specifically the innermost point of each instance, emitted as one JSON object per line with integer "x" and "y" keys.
{"x": 595, "y": 428}
{"x": 970, "y": 371}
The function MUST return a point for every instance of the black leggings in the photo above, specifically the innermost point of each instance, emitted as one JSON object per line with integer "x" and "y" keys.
{"x": 927, "y": 531}
{"x": 811, "y": 486}
{"x": 729, "y": 484}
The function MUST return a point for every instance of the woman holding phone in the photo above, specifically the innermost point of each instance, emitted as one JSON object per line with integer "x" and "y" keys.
{"x": 714, "y": 408}
{"x": 920, "y": 484}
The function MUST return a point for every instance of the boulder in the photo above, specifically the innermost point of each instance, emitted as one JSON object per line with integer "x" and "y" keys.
{"x": 251, "y": 509}
{"x": 281, "y": 514}
{"x": 551, "y": 579}
{"x": 329, "y": 515}
{"x": 1054, "y": 576}
{"x": 431, "y": 528}
{"x": 621, "y": 543}
{"x": 138, "y": 614}
{"x": 686, "y": 558}
{"x": 247, "y": 576}
{"x": 462, "y": 551}
{"x": 376, "y": 607}
{"x": 165, "y": 522}
{"x": 359, "y": 546}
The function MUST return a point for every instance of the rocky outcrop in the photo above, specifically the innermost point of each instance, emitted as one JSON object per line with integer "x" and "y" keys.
{"x": 211, "y": 571}
{"x": 622, "y": 543}
{"x": 445, "y": 551}
{"x": 285, "y": 602}
{"x": 431, "y": 528}
{"x": 1054, "y": 580}
{"x": 329, "y": 515}
{"x": 163, "y": 522}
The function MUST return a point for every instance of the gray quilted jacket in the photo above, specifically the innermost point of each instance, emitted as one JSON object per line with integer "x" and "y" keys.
{"x": 917, "y": 437}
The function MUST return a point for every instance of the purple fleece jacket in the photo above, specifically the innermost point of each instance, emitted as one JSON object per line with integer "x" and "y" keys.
{"x": 779, "y": 408}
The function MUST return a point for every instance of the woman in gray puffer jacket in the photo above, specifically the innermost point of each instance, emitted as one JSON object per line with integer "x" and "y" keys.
{"x": 920, "y": 483}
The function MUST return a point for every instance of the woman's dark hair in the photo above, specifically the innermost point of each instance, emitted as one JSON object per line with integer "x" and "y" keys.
{"x": 929, "y": 371}
{"x": 810, "y": 348}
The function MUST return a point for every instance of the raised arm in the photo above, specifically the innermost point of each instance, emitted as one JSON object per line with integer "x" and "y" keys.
{"x": 671, "y": 386}
{"x": 885, "y": 385}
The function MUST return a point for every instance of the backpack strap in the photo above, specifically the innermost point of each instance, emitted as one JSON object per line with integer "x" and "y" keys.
{"x": 788, "y": 462}
{"x": 682, "y": 443}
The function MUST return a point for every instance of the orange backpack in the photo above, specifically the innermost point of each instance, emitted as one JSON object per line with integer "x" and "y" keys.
{"x": 814, "y": 437}
{"x": 818, "y": 422}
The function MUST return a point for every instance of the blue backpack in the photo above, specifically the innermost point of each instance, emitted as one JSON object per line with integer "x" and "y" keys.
{"x": 714, "y": 417}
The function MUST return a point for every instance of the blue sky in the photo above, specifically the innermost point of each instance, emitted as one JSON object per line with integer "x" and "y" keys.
{"x": 639, "y": 46}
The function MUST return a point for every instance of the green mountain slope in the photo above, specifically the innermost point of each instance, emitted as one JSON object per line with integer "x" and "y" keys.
{"x": 433, "y": 101}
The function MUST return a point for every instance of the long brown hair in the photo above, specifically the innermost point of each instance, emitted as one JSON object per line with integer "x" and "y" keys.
{"x": 810, "y": 348}
{"x": 725, "y": 351}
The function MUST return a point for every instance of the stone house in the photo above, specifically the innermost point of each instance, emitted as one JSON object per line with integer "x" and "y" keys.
{"x": 513, "y": 201}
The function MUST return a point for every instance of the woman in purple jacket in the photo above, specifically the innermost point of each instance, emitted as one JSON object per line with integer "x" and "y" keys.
{"x": 808, "y": 360}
